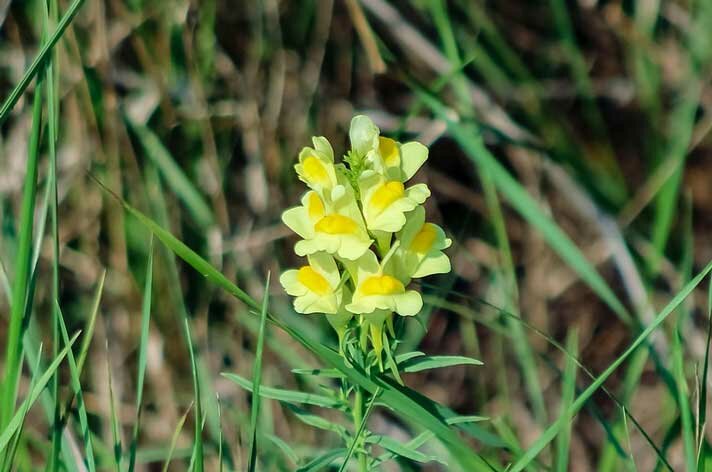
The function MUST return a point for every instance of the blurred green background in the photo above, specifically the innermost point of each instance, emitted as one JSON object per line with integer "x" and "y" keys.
{"x": 569, "y": 161}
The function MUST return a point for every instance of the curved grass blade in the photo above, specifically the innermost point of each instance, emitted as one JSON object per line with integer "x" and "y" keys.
{"x": 142, "y": 352}
{"x": 289, "y": 396}
{"x": 115, "y": 427}
{"x": 39, "y": 60}
{"x": 702, "y": 406}
{"x": 257, "y": 380}
{"x": 568, "y": 386}
{"x": 322, "y": 461}
{"x": 553, "y": 430}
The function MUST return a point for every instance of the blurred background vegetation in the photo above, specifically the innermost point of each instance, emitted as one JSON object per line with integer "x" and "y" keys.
{"x": 552, "y": 126}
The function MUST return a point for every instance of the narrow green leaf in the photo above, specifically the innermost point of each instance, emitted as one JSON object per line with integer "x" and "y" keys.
{"x": 315, "y": 420}
{"x": 421, "y": 363}
{"x": 142, "y": 353}
{"x": 322, "y": 461}
{"x": 702, "y": 401}
{"x": 77, "y": 387}
{"x": 568, "y": 391}
{"x": 174, "y": 438}
{"x": 197, "y": 458}
{"x": 257, "y": 380}
{"x": 21, "y": 291}
{"x": 115, "y": 426}
{"x": 290, "y": 396}
{"x": 43, "y": 55}
{"x": 400, "y": 449}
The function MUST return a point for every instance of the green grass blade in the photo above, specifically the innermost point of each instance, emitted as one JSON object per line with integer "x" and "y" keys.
{"x": 40, "y": 59}
{"x": 34, "y": 394}
{"x": 197, "y": 457}
{"x": 174, "y": 438}
{"x": 568, "y": 390}
{"x": 22, "y": 268}
{"x": 471, "y": 141}
{"x": 553, "y": 430}
{"x": 289, "y": 396}
{"x": 115, "y": 425}
{"x": 77, "y": 387}
{"x": 356, "y": 439}
{"x": 142, "y": 354}
{"x": 702, "y": 405}
{"x": 257, "y": 380}
{"x": 9, "y": 459}
{"x": 421, "y": 363}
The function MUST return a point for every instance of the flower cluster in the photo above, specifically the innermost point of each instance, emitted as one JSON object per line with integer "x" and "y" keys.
{"x": 363, "y": 232}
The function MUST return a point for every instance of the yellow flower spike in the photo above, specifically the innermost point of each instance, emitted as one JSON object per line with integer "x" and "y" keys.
{"x": 376, "y": 290}
{"x": 420, "y": 251}
{"x": 315, "y": 286}
{"x": 316, "y": 166}
{"x": 385, "y": 202}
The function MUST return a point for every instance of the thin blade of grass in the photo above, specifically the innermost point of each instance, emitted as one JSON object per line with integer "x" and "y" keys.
{"x": 22, "y": 268}
{"x": 702, "y": 405}
{"x": 77, "y": 387}
{"x": 553, "y": 430}
{"x": 174, "y": 438}
{"x": 142, "y": 353}
{"x": 115, "y": 426}
{"x": 568, "y": 391}
{"x": 41, "y": 57}
{"x": 257, "y": 381}
{"x": 197, "y": 457}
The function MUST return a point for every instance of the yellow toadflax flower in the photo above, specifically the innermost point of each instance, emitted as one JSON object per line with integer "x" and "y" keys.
{"x": 420, "y": 251}
{"x": 336, "y": 227}
{"x": 316, "y": 166}
{"x": 314, "y": 285}
{"x": 377, "y": 289}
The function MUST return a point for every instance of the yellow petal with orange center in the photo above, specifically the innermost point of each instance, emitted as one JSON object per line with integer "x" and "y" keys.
{"x": 315, "y": 207}
{"x": 336, "y": 224}
{"x": 315, "y": 171}
{"x": 386, "y": 194}
{"x": 424, "y": 240}
{"x": 389, "y": 151}
{"x": 313, "y": 280}
{"x": 382, "y": 285}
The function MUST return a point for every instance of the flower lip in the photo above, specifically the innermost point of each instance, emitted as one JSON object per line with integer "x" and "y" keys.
{"x": 386, "y": 194}
{"x": 423, "y": 241}
{"x": 382, "y": 285}
{"x": 336, "y": 224}
{"x": 315, "y": 171}
{"x": 313, "y": 280}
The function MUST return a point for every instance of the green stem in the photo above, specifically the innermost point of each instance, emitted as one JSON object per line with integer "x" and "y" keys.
{"x": 358, "y": 418}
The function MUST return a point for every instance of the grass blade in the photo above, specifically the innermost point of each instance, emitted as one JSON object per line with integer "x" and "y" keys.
{"x": 77, "y": 387}
{"x": 23, "y": 275}
{"x": 568, "y": 388}
{"x": 174, "y": 438}
{"x": 143, "y": 348}
{"x": 197, "y": 456}
{"x": 43, "y": 55}
{"x": 289, "y": 396}
{"x": 257, "y": 380}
